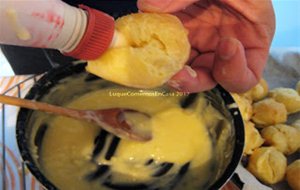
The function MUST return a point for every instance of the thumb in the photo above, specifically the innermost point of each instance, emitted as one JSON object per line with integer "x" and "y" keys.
{"x": 163, "y": 6}
{"x": 232, "y": 68}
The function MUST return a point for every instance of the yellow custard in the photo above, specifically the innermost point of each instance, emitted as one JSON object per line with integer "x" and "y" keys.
{"x": 75, "y": 155}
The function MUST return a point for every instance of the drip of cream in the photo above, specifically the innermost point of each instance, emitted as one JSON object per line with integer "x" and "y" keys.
{"x": 21, "y": 32}
{"x": 119, "y": 40}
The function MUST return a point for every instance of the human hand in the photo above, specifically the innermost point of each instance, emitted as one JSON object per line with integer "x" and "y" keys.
{"x": 230, "y": 41}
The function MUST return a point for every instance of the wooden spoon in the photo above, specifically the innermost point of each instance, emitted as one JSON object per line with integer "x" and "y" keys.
{"x": 112, "y": 120}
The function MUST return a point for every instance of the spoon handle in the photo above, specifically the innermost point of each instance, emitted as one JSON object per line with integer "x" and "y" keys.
{"x": 30, "y": 104}
{"x": 110, "y": 119}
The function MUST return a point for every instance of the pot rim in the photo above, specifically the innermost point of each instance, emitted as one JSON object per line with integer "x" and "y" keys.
{"x": 54, "y": 75}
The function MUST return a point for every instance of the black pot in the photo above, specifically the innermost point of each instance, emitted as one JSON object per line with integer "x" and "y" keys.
{"x": 219, "y": 98}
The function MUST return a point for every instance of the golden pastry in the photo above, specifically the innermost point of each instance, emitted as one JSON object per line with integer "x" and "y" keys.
{"x": 268, "y": 165}
{"x": 298, "y": 87}
{"x": 296, "y": 124}
{"x": 274, "y": 137}
{"x": 288, "y": 96}
{"x": 293, "y": 175}
{"x": 244, "y": 105}
{"x": 154, "y": 48}
{"x": 268, "y": 112}
{"x": 259, "y": 91}
{"x": 284, "y": 138}
{"x": 253, "y": 139}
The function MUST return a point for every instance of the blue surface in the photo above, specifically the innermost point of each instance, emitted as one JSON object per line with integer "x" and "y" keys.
{"x": 287, "y": 32}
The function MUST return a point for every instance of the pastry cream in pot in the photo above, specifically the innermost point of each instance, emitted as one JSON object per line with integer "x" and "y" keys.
{"x": 182, "y": 154}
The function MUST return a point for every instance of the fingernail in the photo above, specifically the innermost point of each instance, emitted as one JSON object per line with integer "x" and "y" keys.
{"x": 190, "y": 71}
{"x": 174, "y": 84}
{"x": 153, "y": 5}
{"x": 227, "y": 48}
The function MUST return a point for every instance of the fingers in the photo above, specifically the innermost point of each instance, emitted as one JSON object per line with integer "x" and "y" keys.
{"x": 235, "y": 70}
{"x": 165, "y": 6}
{"x": 255, "y": 11}
{"x": 232, "y": 67}
{"x": 192, "y": 80}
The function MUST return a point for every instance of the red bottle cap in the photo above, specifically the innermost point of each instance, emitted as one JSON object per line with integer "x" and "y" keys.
{"x": 97, "y": 37}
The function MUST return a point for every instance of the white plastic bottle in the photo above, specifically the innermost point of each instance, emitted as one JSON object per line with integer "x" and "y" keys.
{"x": 82, "y": 33}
